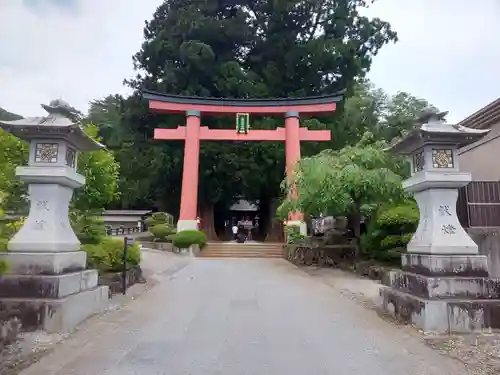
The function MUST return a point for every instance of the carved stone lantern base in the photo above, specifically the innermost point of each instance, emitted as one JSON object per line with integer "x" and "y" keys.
{"x": 443, "y": 293}
{"x": 48, "y": 286}
{"x": 443, "y": 286}
{"x": 54, "y": 303}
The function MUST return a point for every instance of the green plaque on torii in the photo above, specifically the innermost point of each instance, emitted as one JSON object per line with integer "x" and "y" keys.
{"x": 242, "y": 123}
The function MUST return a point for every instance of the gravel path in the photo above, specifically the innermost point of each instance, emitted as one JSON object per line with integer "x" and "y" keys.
{"x": 242, "y": 317}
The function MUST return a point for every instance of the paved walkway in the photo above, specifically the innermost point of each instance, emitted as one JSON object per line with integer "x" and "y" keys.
{"x": 235, "y": 317}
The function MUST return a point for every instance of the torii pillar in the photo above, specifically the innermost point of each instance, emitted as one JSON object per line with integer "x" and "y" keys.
{"x": 292, "y": 156}
{"x": 292, "y": 134}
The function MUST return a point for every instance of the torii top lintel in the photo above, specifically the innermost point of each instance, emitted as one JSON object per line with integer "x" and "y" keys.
{"x": 164, "y": 103}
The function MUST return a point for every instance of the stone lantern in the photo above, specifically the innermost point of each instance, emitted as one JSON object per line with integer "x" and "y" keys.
{"x": 443, "y": 285}
{"x": 48, "y": 286}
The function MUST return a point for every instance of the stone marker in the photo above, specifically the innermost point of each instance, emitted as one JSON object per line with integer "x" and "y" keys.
{"x": 48, "y": 286}
{"x": 444, "y": 285}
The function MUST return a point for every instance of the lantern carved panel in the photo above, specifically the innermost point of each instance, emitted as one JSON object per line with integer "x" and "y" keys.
{"x": 46, "y": 152}
{"x": 418, "y": 161}
{"x": 70, "y": 157}
{"x": 442, "y": 158}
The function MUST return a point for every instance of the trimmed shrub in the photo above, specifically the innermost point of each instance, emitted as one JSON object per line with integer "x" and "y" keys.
{"x": 390, "y": 231}
{"x": 398, "y": 219}
{"x": 394, "y": 241}
{"x": 293, "y": 234}
{"x": 161, "y": 232}
{"x": 88, "y": 228}
{"x": 159, "y": 218}
{"x": 107, "y": 256}
{"x": 186, "y": 238}
{"x": 150, "y": 222}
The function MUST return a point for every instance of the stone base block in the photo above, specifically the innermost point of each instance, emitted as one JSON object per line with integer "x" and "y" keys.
{"x": 441, "y": 316}
{"x": 45, "y": 263}
{"x": 433, "y": 288}
{"x": 194, "y": 250}
{"x": 299, "y": 223}
{"x": 164, "y": 246}
{"x": 115, "y": 280}
{"x": 186, "y": 225}
{"x": 445, "y": 265}
{"x": 47, "y": 286}
{"x": 56, "y": 315}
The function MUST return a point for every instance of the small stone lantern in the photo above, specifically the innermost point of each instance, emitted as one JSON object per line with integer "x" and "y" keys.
{"x": 442, "y": 286}
{"x": 45, "y": 253}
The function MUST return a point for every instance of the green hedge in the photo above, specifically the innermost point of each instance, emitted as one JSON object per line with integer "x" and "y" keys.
{"x": 398, "y": 219}
{"x": 159, "y": 218}
{"x": 186, "y": 238}
{"x": 88, "y": 227}
{"x": 389, "y": 232}
{"x": 107, "y": 256}
{"x": 293, "y": 234}
{"x": 161, "y": 232}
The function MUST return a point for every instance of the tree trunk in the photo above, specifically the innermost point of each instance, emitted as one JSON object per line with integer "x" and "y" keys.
{"x": 275, "y": 225}
{"x": 207, "y": 221}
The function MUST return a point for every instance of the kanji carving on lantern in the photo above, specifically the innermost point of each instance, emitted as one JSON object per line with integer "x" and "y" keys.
{"x": 444, "y": 210}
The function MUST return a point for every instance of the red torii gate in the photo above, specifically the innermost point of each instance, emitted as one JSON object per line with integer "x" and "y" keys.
{"x": 292, "y": 134}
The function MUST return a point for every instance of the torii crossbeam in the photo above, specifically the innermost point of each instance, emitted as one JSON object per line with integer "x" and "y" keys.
{"x": 292, "y": 134}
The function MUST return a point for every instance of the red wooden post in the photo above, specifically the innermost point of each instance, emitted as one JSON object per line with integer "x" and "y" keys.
{"x": 292, "y": 154}
{"x": 189, "y": 194}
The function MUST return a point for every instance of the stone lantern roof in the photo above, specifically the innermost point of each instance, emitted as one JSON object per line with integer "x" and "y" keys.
{"x": 432, "y": 129}
{"x": 62, "y": 123}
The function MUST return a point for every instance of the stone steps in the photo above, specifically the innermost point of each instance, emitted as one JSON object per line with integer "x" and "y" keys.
{"x": 246, "y": 250}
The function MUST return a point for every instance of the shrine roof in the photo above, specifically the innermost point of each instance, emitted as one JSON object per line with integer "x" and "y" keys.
{"x": 179, "y": 103}
{"x": 484, "y": 118}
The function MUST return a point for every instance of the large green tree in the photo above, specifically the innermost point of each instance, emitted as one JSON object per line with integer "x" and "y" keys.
{"x": 371, "y": 109}
{"x": 13, "y": 153}
{"x": 402, "y": 110}
{"x": 242, "y": 49}
{"x": 101, "y": 173}
{"x": 351, "y": 181}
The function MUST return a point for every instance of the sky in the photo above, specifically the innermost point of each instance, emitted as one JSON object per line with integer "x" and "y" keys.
{"x": 80, "y": 50}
